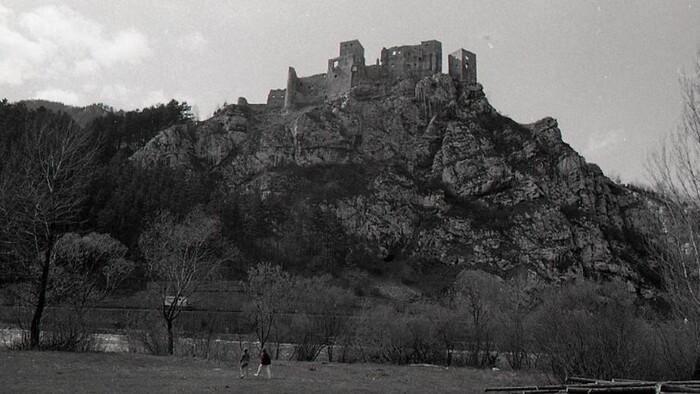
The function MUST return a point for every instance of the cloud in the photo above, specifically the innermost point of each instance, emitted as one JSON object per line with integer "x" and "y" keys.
{"x": 153, "y": 97}
{"x": 18, "y": 55}
{"x": 489, "y": 41}
{"x": 602, "y": 143}
{"x": 61, "y": 96}
{"x": 128, "y": 47}
{"x": 124, "y": 97}
{"x": 50, "y": 42}
{"x": 194, "y": 42}
{"x": 115, "y": 95}
{"x": 5, "y": 15}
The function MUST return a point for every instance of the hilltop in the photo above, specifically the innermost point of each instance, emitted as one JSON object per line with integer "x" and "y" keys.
{"x": 81, "y": 115}
{"x": 410, "y": 177}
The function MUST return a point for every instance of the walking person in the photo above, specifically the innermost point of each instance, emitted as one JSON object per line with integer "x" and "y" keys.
{"x": 244, "y": 362}
{"x": 265, "y": 362}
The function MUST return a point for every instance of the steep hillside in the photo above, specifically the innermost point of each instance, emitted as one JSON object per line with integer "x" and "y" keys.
{"x": 415, "y": 181}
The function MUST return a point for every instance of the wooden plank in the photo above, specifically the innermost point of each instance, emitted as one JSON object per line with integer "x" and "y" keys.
{"x": 612, "y": 389}
{"x": 678, "y": 388}
{"x": 525, "y": 388}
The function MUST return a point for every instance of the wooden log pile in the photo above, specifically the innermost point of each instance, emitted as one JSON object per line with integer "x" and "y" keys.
{"x": 586, "y": 385}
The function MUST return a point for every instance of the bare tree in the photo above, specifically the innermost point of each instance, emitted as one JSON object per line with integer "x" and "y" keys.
{"x": 589, "y": 329}
{"x": 43, "y": 186}
{"x": 270, "y": 291}
{"x": 515, "y": 338}
{"x": 83, "y": 271}
{"x": 328, "y": 308}
{"x": 181, "y": 255}
{"x": 477, "y": 294}
{"x": 87, "y": 269}
{"x": 447, "y": 320}
{"x": 675, "y": 169}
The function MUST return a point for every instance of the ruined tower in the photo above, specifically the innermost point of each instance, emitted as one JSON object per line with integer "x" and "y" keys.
{"x": 290, "y": 93}
{"x": 349, "y": 70}
{"x": 353, "y": 49}
{"x": 343, "y": 70}
{"x": 418, "y": 61}
{"x": 462, "y": 66}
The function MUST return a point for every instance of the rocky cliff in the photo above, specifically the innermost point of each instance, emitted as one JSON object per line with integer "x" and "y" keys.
{"x": 428, "y": 176}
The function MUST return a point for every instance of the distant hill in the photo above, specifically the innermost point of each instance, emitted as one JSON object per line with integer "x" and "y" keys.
{"x": 82, "y": 115}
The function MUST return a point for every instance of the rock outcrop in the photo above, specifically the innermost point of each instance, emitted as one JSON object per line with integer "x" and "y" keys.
{"x": 445, "y": 180}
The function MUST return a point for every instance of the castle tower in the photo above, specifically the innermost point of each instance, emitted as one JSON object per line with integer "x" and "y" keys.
{"x": 419, "y": 61}
{"x": 353, "y": 49}
{"x": 292, "y": 81}
{"x": 343, "y": 70}
{"x": 349, "y": 60}
{"x": 462, "y": 66}
{"x": 431, "y": 51}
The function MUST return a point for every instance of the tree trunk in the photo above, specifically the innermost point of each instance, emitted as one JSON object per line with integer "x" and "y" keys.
{"x": 170, "y": 336}
{"x": 477, "y": 348}
{"x": 35, "y": 328}
{"x": 448, "y": 356}
{"x": 696, "y": 372}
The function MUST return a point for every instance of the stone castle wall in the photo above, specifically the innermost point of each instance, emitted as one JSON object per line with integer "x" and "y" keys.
{"x": 462, "y": 66}
{"x": 276, "y": 97}
{"x": 417, "y": 61}
{"x": 306, "y": 90}
{"x": 349, "y": 69}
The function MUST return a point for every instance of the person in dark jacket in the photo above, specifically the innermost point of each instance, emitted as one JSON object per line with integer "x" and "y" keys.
{"x": 265, "y": 362}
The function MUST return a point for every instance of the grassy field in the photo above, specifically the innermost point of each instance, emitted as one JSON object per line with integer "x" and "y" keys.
{"x": 44, "y": 372}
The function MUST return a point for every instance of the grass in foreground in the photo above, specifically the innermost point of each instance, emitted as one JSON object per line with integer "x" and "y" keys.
{"x": 24, "y": 372}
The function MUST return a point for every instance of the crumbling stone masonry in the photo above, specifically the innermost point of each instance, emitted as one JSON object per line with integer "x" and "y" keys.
{"x": 349, "y": 69}
{"x": 462, "y": 66}
{"x": 418, "y": 61}
{"x": 276, "y": 97}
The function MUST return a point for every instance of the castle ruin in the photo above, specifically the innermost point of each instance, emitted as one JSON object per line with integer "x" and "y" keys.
{"x": 349, "y": 70}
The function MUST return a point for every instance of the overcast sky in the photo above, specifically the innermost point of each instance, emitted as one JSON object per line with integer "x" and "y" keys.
{"x": 607, "y": 70}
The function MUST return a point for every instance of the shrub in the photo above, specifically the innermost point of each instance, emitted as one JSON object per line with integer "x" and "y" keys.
{"x": 422, "y": 333}
{"x": 63, "y": 331}
{"x": 516, "y": 327}
{"x": 199, "y": 342}
{"x": 146, "y": 334}
{"x": 384, "y": 333}
{"x": 303, "y": 333}
{"x": 591, "y": 330}
{"x": 674, "y": 350}
{"x": 478, "y": 296}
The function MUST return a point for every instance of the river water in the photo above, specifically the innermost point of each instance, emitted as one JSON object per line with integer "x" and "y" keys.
{"x": 119, "y": 343}
{"x": 116, "y": 343}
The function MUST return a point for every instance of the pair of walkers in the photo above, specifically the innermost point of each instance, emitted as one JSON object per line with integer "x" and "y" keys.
{"x": 265, "y": 362}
